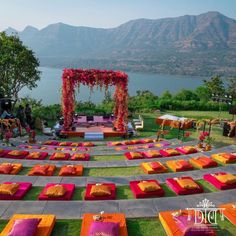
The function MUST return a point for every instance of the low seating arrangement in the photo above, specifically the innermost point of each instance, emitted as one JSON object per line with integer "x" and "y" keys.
{"x": 80, "y": 157}
{"x": 59, "y": 156}
{"x": 71, "y": 170}
{"x": 169, "y": 152}
{"x": 134, "y": 155}
{"x": 178, "y": 223}
{"x": 179, "y": 165}
{"x": 146, "y": 189}
{"x": 224, "y": 158}
{"x": 184, "y": 185}
{"x": 153, "y": 167}
{"x": 14, "y": 191}
{"x": 41, "y": 227}
{"x": 42, "y": 170}
{"x": 221, "y": 180}
{"x": 186, "y": 149}
{"x": 15, "y": 154}
{"x": 64, "y": 144}
{"x": 104, "y": 191}
{"x": 68, "y": 144}
{"x": 131, "y": 142}
{"x": 10, "y": 168}
{"x": 57, "y": 192}
{"x": 51, "y": 142}
{"x": 203, "y": 162}
{"x": 229, "y": 212}
{"x": 37, "y": 156}
{"x": 105, "y": 224}
{"x": 28, "y": 146}
{"x": 152, "y": 154}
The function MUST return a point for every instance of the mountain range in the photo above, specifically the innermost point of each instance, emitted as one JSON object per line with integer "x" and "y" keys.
{"x": 192, "y": 45}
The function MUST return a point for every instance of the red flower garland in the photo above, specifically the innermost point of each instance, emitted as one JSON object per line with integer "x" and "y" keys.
{"x": 99, "y": 78}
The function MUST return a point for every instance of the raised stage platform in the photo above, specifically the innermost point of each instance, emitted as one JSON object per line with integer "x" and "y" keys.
{"x": 81, "y": 131}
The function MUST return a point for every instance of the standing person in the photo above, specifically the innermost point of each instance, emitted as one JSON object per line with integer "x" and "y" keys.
{"x": 28, "y": 114}
{"x": 21, "y": 115}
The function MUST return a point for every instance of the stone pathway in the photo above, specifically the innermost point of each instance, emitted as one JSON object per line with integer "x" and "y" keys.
{"x": 132, "y": 208}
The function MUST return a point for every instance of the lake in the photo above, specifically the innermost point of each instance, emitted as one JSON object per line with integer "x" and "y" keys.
{"x": 49, "y": 87}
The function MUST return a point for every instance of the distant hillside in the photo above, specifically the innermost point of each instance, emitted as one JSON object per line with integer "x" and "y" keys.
{"x": 194, "y": 45}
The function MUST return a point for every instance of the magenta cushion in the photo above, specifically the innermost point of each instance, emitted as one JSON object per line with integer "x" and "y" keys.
{"x": 189, "y": 228}
{"x": 107, "y": 228}
{"x": 24, "y": 227}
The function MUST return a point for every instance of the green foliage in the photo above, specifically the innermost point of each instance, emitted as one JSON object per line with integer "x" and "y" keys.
{"x": 166, "y": 95}
{"x": 231, "y": 87}
{"x": 186, "y": 95}
{"x": 51, "y": 112}
{"x": 203, "y": 93}
{"x": 143, "y": 101}
{"x": 34, "y": 103}
{"x": 18, "y": 66}
{"x": 215, "y": 85}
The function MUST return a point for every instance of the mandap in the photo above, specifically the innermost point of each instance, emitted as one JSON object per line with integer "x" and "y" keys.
{"x": 72, "y": 78}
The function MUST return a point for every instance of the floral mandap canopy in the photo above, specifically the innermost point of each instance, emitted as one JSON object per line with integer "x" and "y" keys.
{"x": 72, "y": 78}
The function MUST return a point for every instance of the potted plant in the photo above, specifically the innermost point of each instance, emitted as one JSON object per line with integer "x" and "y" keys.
{"x": 209, "y": 140}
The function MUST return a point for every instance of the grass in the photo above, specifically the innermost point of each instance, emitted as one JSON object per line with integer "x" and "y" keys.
{"x": 67, "y": 227}
{"x": 207, "y": 186}
{"x": 108, "y": 158}
{"x": 136, "y": 227}
{"x": 150, "y": 126}
{"x": 168, "y": 191}
{"x": 113, "y": 171}
{"x": 33, "y": 193}
{"x": 225, "y": 227}
{"x": 24, "y": 171}
{"x": 124, "y": 192}
{"x": 145, "y": 227}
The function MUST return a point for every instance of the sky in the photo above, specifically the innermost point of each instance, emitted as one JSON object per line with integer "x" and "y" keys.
{"x": 102, "y": 13}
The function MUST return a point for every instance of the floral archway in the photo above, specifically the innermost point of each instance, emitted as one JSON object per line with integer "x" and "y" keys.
{"x": 72, "y": 78}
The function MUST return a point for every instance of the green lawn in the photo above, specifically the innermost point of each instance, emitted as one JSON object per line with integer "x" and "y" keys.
{"x": 207, "y": 186}
{"x": 113, "y": 171}
{"x": 108, "y": 158}
{"x": 136, "y": 227}
{"x": 150, "y": 126}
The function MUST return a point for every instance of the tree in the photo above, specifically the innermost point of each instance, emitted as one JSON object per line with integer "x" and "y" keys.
{"x": 215, "y": 85}
{"x": 203, "y": 93}
{"x": 18, "y": 66}
{"x": 231, "y": 87}
{"x": 166, "y": 95}
{"x": 186, "y": 95}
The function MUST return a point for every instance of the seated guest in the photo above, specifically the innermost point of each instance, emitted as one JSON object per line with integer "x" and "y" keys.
{"x": 6, "y": 115}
